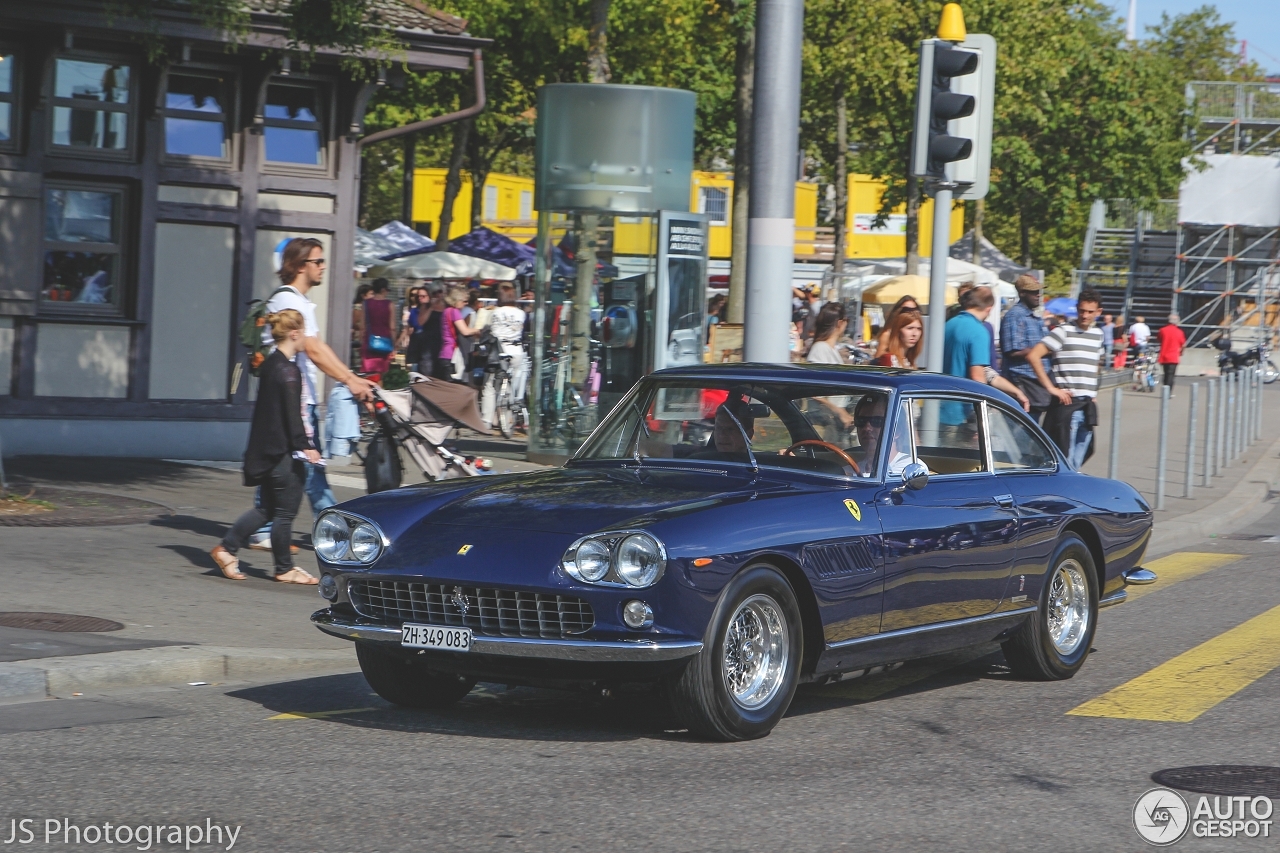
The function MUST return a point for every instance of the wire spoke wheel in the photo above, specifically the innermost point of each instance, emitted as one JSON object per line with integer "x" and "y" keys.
{"x": 1068, "y": 607}
{"x": 755, "y": 652}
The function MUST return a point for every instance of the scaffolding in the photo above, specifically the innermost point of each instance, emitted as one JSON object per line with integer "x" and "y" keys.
{"x": 1235, "y": 118}
{"x": 1227, "y": 281}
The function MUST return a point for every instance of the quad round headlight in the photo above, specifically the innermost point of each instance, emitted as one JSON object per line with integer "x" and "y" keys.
{"x": 591, "y": 563}
{"x": 332, "y": 537}
{"x": 366, "y": 543}
{"x": 640, "y": 560}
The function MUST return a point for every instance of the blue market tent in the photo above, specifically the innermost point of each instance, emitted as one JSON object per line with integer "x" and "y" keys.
{"x": 1063, "y": 306}
{"x": 499, "y": 248}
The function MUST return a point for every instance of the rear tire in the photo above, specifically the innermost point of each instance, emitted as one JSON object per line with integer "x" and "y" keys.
{"x": 408, "y": 683}
{"x": 1054, "y": 642}
{"x": 742, "y": 682}
{"x": 1269, "y": 372}
{"x": 382, "y": 471}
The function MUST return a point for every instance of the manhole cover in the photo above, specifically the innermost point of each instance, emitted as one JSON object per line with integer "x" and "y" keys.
{"x": 64, "y": 622}
{"x": 46, "y": 506}
{"x": 1226, "y": 779}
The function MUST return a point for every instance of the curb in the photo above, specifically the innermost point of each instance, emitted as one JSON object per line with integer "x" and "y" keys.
{"x": 1248, "y": 502}
{"x": 62, "y": 676}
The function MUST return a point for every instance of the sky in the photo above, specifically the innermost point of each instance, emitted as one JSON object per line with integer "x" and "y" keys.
{"x": 1257, "y": 21}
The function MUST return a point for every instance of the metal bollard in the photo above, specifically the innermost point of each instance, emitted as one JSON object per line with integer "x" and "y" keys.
{"x": 1191, "y": 440}
{"x": 1229, "y": 450}
{"x": 1209, "y": 414}
{"x": 1113, "y": 455}
{"x": 1163, "y": 446}
{"x": 1220, "y": 437}
{"x": 1246, "y": 414}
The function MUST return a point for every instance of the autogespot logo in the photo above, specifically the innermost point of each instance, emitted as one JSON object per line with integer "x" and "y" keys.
{"x": 1161, "y": 816}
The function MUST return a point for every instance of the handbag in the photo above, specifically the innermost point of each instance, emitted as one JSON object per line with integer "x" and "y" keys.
{"x": 379, "y": 344}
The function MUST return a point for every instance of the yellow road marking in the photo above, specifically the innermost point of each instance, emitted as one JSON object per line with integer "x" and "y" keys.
{"x": 1179, "y": 567}
{"x": 317, "y": 715}
{"x": 1182, "y": 689}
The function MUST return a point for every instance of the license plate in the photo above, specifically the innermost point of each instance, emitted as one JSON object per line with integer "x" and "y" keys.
{"x": 432, "y": 637}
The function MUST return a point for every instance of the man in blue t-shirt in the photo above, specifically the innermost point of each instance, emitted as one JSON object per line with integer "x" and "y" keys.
{"x": 967, "y": 350}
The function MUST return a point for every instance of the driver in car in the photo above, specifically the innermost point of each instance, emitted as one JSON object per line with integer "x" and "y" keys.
{"x": 869, "y": 422}
{"x": 726, "y": 435}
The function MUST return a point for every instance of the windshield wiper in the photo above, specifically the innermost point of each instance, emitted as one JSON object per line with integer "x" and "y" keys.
{"x": 755, "y": 466}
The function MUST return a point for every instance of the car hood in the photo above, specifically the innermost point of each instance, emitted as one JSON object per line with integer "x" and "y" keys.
{"x": 573, "y": 501}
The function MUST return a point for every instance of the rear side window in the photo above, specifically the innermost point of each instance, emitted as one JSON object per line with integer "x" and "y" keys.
{"x": 1014, "y": 447}
{"x": 948, "y": 437}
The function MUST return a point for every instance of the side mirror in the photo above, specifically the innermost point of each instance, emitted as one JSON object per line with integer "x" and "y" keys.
{"x": 915, "y": 476}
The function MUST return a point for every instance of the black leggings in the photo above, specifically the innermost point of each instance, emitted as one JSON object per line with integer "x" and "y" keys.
{"x": 282, "y": 490}
{"x": 1169, "y": 371}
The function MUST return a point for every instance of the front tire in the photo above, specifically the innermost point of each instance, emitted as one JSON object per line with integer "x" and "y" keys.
{"x": 407, "y": 683}
{"x": 1053, "y": 643}
{"x": 742, "y": 682}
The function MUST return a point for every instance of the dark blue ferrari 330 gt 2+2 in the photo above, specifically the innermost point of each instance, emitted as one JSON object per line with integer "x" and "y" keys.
{"x": 729, "y": 532}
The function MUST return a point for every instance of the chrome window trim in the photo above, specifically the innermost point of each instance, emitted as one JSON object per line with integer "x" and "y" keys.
{"x": 1049, "y": 446}
{"x": 982, "y": 423}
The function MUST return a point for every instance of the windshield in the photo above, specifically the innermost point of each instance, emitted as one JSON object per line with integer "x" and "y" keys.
{"x": 818, "y": 428}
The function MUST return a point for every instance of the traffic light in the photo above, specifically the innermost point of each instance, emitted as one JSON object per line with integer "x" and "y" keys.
{"x": 954, "y": 106}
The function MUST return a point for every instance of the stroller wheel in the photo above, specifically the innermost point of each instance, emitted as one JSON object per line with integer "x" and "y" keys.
{"x": 382, "y": 471}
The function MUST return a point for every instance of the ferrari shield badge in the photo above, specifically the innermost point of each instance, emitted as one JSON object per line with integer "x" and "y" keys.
{"x": 854, "y": 509}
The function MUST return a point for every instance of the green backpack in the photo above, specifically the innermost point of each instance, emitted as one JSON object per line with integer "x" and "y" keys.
{"x": 251, "y": 331}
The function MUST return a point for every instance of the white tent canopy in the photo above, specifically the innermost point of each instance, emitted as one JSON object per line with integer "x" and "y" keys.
{"x": 442, "y": 265}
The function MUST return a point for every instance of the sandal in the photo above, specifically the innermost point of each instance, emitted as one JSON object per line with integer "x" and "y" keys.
{"x": 228, "y": 563}
{"x": 298, "y": 576}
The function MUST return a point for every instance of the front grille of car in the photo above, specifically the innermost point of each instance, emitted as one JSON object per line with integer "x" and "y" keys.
{"x": 489, "y": 612}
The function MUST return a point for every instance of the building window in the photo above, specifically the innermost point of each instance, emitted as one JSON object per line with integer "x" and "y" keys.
{"x": 490, "y": 203}
{"x": 91, "y": 105}
{"x": 293, "y": 132}
{"x": 7, "y": 81}
{"x": 82, "y": 250}
{"x": 526, "y": 204}
{"x": 714, "y": 202}
{"x": 195, "y": 116}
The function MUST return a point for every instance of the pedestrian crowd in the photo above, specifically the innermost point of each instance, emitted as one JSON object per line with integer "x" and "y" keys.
{"x": 1051, "y": 366}
{"x": 435, "y": 330}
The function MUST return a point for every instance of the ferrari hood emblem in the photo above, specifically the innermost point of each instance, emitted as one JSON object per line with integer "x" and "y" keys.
{"x": 459, "y": 599}
{"x": 464, "y": 549}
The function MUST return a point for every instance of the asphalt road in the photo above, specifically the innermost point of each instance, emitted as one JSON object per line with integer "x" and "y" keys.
{"x": 946, "y": 754}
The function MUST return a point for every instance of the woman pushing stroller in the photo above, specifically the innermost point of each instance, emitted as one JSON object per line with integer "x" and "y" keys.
{"x": 279, "y": 442}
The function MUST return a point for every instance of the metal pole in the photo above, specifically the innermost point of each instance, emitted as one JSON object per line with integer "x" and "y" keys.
{"x": 1163, "y": 447}
{"x": 938, "y": 279}
{"x": 1191, "y": 440}
{"x": 771, "y": 226}
{"x": 1255, "y": 400}
{"x": 1210, "y": 460}
{"x": 1262, "y": 387}
{"x": 1238, "y": 430}
{"x": 1230, "y": 425}
{"x": 1113, "y": 460}
{"x": 1221, "y": 437}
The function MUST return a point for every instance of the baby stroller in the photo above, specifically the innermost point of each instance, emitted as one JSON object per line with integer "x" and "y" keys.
{"x": 420, "y": 419}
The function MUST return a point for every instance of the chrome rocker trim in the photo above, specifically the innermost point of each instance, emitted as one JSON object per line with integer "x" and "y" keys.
{"x": 936, "y": 626}
{"x": 609, "y": 651}
{"x": 1117, "y": 597}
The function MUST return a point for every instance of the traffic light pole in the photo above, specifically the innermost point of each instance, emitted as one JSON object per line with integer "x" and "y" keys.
{"x": 775, "y": 138}
{"x": 938, "y": 277}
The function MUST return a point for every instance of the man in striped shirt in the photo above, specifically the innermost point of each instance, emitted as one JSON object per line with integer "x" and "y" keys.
{"x": 1074, "y": 350}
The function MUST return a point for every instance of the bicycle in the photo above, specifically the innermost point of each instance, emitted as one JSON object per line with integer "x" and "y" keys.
{"x": 509, "y": 412}
{"x": 1144, "y": 372}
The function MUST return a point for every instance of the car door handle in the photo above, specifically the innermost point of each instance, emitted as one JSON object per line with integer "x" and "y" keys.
{"x": 1005, "y": 500}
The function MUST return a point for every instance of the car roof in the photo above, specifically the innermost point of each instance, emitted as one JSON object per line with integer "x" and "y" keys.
{"x": 898, "y": 378}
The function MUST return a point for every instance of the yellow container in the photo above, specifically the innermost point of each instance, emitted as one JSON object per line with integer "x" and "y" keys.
{"x": 507, "y": 204}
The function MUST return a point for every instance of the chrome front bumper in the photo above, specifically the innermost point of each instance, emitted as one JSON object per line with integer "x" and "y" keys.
{"x": 609, "y": 651}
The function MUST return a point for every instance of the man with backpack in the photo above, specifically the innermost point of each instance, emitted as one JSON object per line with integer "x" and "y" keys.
{"x": 302, "y": 268}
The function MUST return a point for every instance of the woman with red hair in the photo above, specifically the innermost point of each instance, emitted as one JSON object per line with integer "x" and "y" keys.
{"x": 903, "y": 340}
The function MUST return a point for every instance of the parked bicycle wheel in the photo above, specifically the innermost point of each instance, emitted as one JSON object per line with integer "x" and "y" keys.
{"x": 1269, "y": 372}
{"x": 505, "y": 406}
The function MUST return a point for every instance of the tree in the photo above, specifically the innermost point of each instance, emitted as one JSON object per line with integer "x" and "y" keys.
{"x": 1199, "y": 45}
